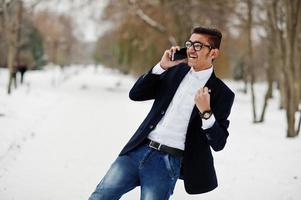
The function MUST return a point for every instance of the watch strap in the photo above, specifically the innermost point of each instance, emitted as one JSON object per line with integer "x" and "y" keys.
{"x": 206, "y": 114}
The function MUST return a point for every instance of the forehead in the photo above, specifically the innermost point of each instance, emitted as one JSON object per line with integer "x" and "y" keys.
{"x": 199, "y": 37}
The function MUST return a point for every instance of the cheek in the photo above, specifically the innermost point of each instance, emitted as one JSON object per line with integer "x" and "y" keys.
{"x": 201, "y": 57}
{"x": 204, "y": 57}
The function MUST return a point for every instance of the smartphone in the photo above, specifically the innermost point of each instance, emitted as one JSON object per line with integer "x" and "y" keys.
{"x": 179, "y": 54}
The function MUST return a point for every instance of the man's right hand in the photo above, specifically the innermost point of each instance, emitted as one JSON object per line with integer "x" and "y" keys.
{"x": 166, "y": 62}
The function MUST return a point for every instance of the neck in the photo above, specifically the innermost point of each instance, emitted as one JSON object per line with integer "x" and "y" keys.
{"x": 201, "y": 68}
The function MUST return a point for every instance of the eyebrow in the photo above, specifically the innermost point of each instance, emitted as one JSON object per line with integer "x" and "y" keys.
{"x": 200, "y": 42}
{"x": 197, "y": 41}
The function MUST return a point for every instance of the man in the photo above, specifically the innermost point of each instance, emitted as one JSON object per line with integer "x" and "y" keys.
{"x": 189, "y": 114}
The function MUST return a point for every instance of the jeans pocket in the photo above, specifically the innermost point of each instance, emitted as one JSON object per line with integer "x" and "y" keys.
{"x": 173, "y": 165}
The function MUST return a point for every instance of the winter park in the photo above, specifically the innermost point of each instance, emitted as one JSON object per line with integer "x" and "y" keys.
{"x": 70, "y": 100}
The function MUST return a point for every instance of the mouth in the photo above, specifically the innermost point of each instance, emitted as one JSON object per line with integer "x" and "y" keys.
{"x": 191, "y": 56}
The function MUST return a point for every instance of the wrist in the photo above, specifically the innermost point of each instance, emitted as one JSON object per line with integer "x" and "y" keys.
{"x": 201, "y": 110}
{"x": 162, "y": 66}
{"x": 205, "y": 114}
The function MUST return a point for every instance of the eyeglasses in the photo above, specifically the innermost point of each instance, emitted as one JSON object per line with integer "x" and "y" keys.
{"x": 197, "y": 46}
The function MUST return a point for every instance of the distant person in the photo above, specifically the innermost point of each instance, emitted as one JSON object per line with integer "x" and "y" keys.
{"x": 189, "y": 115}
{"x": 22, "y": 68}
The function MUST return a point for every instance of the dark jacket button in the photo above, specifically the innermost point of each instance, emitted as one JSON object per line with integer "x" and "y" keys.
{"x": 162, "y": 112}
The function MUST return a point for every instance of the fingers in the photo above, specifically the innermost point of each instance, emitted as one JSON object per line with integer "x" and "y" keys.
{"x": 202, "y": 99}
{"x": 204, "y": 90}
{"x": 173, "y": 50}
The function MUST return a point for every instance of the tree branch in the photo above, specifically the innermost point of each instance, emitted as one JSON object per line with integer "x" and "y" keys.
{"x": 151, "y": 22}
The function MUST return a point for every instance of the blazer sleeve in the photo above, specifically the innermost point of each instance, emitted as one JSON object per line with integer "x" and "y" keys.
{"x": 145, "y": 87}
{"x": 218, "y": 133}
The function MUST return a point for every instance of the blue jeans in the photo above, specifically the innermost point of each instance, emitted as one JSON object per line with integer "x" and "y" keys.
{"x": 155, "y": 172}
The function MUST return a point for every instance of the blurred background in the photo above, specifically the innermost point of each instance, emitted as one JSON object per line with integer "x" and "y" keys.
{"x": 66, "y": 67}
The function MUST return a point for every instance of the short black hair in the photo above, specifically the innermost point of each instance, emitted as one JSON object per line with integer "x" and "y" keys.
{"x": 214, "y": 35}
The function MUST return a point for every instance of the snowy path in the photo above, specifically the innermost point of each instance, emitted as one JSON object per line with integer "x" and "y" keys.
{"x": 88, "y": 119}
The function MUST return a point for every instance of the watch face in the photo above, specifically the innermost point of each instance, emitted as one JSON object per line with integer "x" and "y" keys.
{"x": 206, "y": 115}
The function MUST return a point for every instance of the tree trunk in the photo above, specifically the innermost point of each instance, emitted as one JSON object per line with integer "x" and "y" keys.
{"x": 10, "y": 60}
{"x": 292, "y": 16}
{"x": 267, "y": 96}
{"x": 19, "y": 20}
{"x": 12, "y": 24}
{"x": 290, "y": 113}
{"x": 250, "y": 58}
{"x": 299, "y": 124}
{"x": 272, "y": 56}
{"x": 279, "y": 55}
{"x": 245, "y": 78}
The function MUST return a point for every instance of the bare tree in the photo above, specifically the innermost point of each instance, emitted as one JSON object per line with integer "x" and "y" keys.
{"x": 11, "y": 23}
{"x": 283, "y": 23}
{"x": 291, "y": 69}
{"x": 272, "y": 59}
{"x": 151, "y": 22}
{"x": 250, "y": 68}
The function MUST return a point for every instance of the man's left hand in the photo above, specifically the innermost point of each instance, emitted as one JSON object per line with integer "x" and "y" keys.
{"x": 202, "y": 99}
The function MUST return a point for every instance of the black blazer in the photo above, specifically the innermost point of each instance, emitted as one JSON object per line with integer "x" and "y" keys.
{"x": 197, "y": 169}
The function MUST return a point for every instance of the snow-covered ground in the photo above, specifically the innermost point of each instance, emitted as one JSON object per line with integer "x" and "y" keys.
{"x": 61, "y": 131}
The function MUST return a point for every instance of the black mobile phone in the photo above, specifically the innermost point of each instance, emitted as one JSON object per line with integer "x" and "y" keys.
{"x": 179, "y": 54}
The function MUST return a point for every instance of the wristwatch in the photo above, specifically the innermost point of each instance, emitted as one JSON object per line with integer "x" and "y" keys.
{"x": 206, "y": 114}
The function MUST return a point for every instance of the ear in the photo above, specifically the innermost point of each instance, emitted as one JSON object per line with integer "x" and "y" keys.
{"x": 214, "y": 53}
